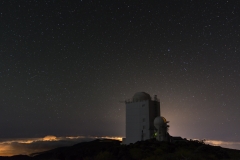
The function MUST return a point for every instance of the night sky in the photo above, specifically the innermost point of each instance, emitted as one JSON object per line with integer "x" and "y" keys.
{"x": 66, "y": 66}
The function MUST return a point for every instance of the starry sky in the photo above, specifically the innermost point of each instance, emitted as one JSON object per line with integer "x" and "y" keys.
{"x": 66, "y": 66}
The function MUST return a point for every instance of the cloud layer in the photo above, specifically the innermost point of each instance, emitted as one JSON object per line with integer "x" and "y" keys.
{"x": 225, "y": 144}
{"x": 28, "y": 146}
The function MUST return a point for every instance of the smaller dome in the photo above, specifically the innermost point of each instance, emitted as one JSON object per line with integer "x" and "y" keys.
{"x": 158, "y": 121}
{"x": 141, "y": 96}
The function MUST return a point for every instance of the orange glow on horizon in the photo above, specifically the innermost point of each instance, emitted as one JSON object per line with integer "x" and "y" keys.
{"x": 5, "y": 150}
{"x": 50, "y": 138}
{"x": 18, "y": 146}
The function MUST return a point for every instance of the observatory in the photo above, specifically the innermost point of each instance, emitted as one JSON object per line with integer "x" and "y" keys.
{"x": 143, "y": 119}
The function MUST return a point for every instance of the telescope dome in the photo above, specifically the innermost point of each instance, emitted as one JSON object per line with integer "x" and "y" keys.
{"x": 141, "y": 96}
{"x": 158, "y": 121}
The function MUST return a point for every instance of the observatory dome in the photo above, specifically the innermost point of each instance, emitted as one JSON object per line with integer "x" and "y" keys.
{"x": 159, "y": 121}
{"x": 141, "y": 96}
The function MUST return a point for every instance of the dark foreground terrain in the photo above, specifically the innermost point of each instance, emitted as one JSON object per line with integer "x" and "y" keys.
{"x": 146, "y": 150}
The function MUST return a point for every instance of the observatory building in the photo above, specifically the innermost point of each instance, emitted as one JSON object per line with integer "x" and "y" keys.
{"x": 143, "y": 119}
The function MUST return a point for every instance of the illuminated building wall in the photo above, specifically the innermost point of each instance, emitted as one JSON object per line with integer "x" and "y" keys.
{"x": 141, "y": 111}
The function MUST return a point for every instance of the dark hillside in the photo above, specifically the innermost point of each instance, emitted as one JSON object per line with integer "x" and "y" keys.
{"x": 146, "y": 150}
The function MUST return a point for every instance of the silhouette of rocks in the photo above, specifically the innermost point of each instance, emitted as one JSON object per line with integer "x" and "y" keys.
{"x": 217, "y": 152}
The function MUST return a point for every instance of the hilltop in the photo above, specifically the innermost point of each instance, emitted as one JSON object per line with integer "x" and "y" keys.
{"x": 147, "y": 150}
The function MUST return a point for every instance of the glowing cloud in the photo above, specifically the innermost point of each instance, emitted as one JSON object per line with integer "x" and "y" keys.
{"x": 50, "y": 138}
{"x": 28, "y": 146}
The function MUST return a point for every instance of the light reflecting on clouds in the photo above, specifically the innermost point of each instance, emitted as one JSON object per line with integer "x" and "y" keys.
{"x": 225, "y": 144}
{"x": 27, "y": 146}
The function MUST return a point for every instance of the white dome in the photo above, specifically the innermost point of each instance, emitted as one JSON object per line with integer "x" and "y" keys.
{"x": 159, "y": 121}
{"x": 141, "y": 96}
